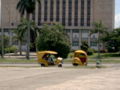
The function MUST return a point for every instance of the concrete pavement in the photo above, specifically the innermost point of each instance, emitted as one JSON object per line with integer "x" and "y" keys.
{"x": 54, "y": 78}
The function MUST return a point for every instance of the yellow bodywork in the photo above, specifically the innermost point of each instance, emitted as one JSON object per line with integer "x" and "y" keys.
{"x": 40, "y": 55}
{"x": 76, "y": 60}
{"x": 80, "y": 51}
{"x": 77, "y": 55}
{"x": 57, "y": 61}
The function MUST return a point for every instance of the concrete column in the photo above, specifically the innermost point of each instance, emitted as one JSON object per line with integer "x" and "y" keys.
{"x": 89, "y": 38}
{"x": 61, "y": 11}
{"x": 85, "y": 13}
{"x": 80, "y": 38}
{"x": 42, "y": 11}
{"x": 73, "y": 11}
{"x": 31, "y": 16}
{"x": 92, "y": 11}
{"x": 71, "y": 36}
{"x": 10, "y": 37}
{"x": 79, "y": 12}
{"x": 36, "y": 14}
{"x": 66, "y": 21}
{"x": 48, "y": 10}
{"x": 54, "y": 11}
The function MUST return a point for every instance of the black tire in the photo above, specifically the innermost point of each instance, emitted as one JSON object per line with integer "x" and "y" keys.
{"x": 60, "y": 65}
{"x": 42, "y": 65}
{"x": 75, "y": 64}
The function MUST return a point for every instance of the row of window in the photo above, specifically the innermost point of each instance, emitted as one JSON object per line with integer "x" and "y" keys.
{"x": 70, "y": 9}
{"x": 76, "y": 43}
{"x": 75, "y": 36}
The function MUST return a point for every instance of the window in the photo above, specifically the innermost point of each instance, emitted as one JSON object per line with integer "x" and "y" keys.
{"x": 82, "y": 13}
{"x": 63, "y": 12}
{"x": 70, "y": 21}
{"x": 75, "y": 37}
{"x": 67, "y": 30}
{"x": 82, "y": 21}
{"x": 45, "y": 10}
{"x": 84, "y": 39}
{"x": 76, "y": 13}
{"x": 57, "y": 10}
{"x": 6, "y": 30}
{"x": 70, "y": 13}
{"x": 88, "y": 12}
{"x": 51, "y": 10}
{"x": 93, "y": 43}
{"x": 75, "y": 30}
{"x": 39, "y": 14}
{"x": 75, "y": 21}
{"x": 75, "y": 43}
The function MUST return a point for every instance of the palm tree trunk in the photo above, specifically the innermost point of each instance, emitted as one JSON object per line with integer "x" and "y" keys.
{"x": 20, "y": 47}
{"x": 98, "y": 45}
{"x": 28, "y": 39}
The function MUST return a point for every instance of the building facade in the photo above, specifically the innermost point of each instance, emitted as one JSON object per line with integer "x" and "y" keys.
{"x": 77, "y": 16}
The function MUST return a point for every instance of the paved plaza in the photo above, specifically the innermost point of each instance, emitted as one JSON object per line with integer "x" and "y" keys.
{"x": 54, "y": 78}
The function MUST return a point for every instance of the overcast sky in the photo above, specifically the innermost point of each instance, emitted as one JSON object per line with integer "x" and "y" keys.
{"x": 117, "y": 13}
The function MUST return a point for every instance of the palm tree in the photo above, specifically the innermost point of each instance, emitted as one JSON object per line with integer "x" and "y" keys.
{"x": 100, "y": 29}
{"x": 19, "y": 36}
{"x": 22, "y": 29}
{"x": 27, "y": 6}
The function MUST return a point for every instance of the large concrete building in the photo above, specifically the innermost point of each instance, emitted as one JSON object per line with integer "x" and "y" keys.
{"x": 76, "y": 15}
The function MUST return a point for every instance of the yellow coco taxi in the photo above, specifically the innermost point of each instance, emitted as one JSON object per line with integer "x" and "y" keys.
{"x": 46, "y": 58}
{"x": 80, "y": 58}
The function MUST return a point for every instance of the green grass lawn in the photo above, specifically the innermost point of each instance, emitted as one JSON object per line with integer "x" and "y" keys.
{"x": 16, "y": 61}
{"x": 110, "y": 60}
{"x": 105, "y": 57}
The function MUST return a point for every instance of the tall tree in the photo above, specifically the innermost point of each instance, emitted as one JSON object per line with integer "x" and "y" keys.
{"x": 27, "y": 6}
{"x": 113, "y": 40}
{"x": 19, "y": 36}
{"x": 99, "y": 29}
{"x": 5, "y": 44}
{"x": 22, "y": 29}
{"x": 54, "y": 38}
{"x": 2, "y": 43}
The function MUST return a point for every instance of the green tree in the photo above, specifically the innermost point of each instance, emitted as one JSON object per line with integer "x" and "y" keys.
{"x": 19, "y": 36}
{"x": 5, "y": 44}
{"x": 115, "y": 38}
{"x": 84, "y": 46}
{"x": 112, "y": 40}
{"x": 27, "y": 6}
{"x": 2, "y": 42}
{"x": 100, "y": 30}
{"x": 54, "y": 38}
{"x": 21, "y": 30}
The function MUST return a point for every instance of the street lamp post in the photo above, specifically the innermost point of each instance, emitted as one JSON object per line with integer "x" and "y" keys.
{"x": 2, "y": 36}
{"x": 98, "y": 61}
{"x": 2, "y": 42}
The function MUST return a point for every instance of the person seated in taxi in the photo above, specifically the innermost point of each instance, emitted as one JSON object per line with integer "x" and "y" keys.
{"x": 49, "y": 58}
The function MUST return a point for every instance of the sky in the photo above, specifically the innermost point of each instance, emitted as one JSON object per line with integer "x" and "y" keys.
{"x": 117, "y": 13}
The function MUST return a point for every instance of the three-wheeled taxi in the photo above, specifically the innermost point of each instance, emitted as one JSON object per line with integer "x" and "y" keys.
{"x": 47, "y": 58}
{"x": 80, "y": 58}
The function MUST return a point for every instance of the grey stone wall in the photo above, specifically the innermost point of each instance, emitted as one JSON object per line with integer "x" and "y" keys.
{"x": 104, "y": 11}
{"x": 9, "y": 14}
